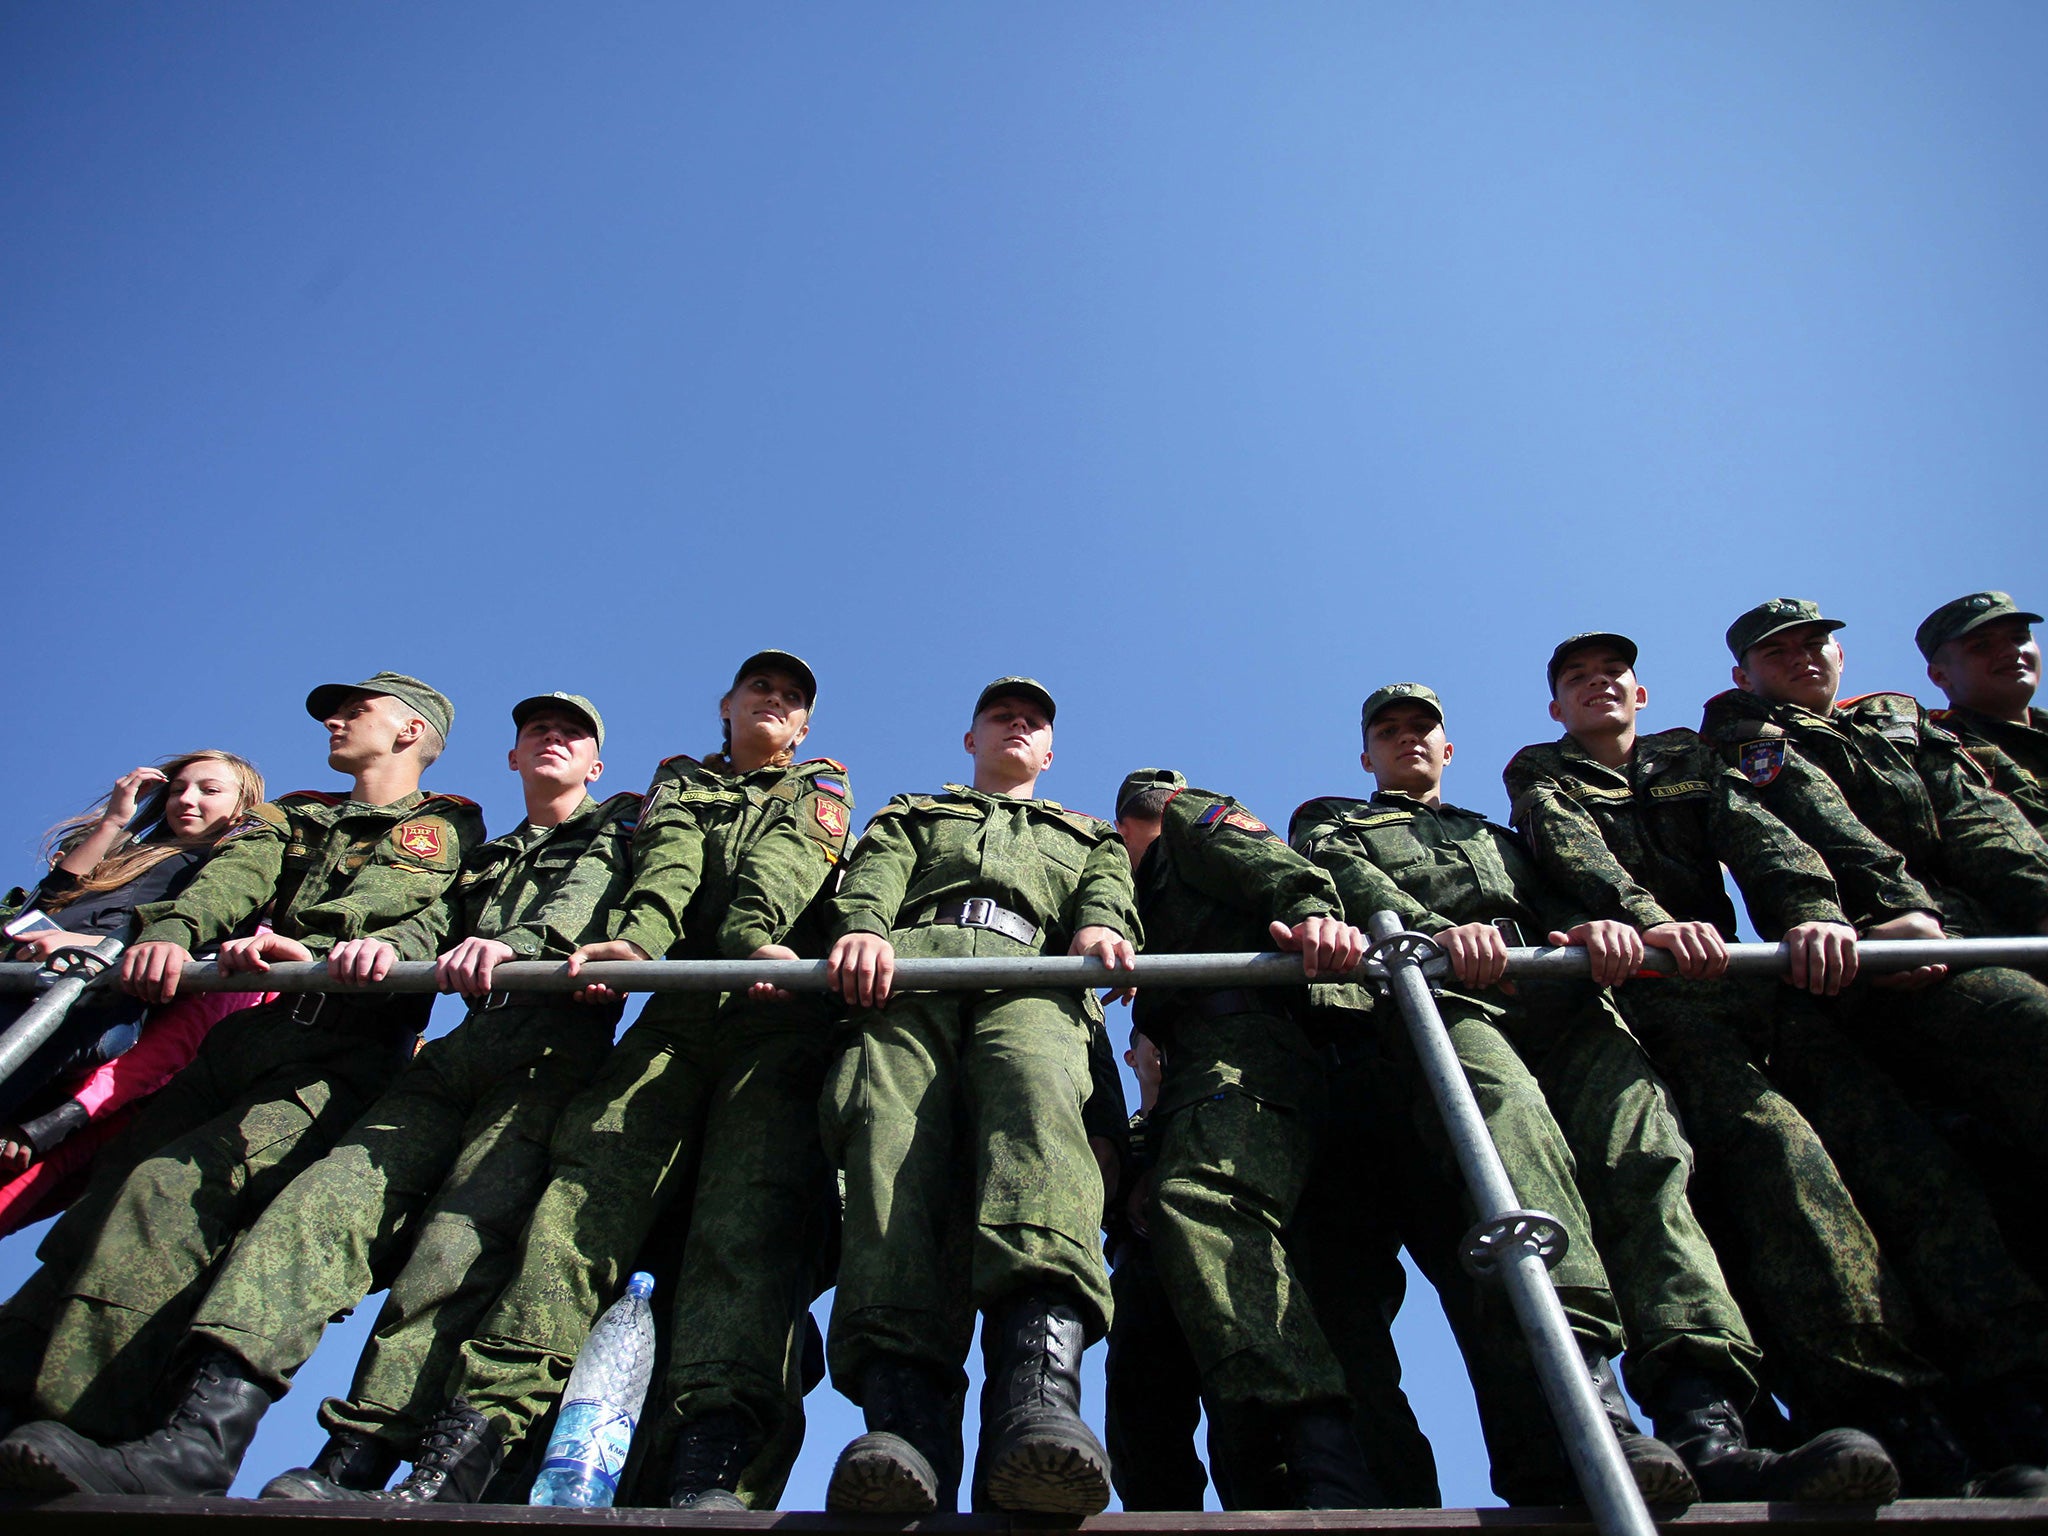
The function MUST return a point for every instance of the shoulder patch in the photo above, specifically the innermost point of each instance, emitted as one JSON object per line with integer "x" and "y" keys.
{"x": 1678, "y": 787}
{"x": 1761, "y": 761}
{"x": 1382, "y": 819}
{"x": 1224, "y": 814}
{"x": 831, "y": 816}
{"x": 427, "y": 838}
{"x": 829, "y": 784}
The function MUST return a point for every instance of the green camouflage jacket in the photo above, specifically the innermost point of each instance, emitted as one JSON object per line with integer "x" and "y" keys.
{"x": 1645, "y": 843}
{"x": 2015, "y": 756}
{"x": 541, "y": 891}
{"x": 1901, "y": 777}
{"x": 1209, "y": 884}
{"x": 324, "y": 868}
{"x": 1062, "y": 870}
{"x": 723, "y": 865}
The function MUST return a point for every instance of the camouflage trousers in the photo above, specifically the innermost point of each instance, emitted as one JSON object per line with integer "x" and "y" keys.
{"x": 427, "y": 1192}
{"x": 1235, "y": 1168}
{"x": 97, "y": 1326}
{"x": 935, "y": 1087}
{"x": 705, "y": 1116}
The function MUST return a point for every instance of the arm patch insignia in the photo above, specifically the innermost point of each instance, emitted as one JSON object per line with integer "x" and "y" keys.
{"x": 1762, "y": 761}
{"x": 831, "y": 786}
{"x": 831, "y": 816}
{"x": 421, "y": 839}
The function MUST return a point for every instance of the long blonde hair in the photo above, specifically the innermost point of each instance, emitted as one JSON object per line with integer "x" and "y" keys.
{"x": 143, "y": 846}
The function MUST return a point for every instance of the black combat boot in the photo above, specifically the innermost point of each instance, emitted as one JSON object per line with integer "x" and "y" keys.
{"x": 901, "y": 1465}
{"x": 1661, "y": 1476}
{"x": 195, "y": 1454}
{"x": 457, "y": 1456}
{"x": 711, "y": 1453}
{"x": 349, "y": 1466}
{"x": 1040, "y": 1458}
{"x": 1932, "y": 1461}
{"x": 1326, "y": 1468}
{"x": 1699, "y": 1420}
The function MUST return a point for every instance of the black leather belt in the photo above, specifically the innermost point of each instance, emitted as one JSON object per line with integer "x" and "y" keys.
{"x": 981, "y": 912}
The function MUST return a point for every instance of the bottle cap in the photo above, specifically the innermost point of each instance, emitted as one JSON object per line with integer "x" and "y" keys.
{"x": 641, "y": 1284}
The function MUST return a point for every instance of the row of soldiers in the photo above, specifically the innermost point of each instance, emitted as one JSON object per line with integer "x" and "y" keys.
{"x": 1862, "y": 1147}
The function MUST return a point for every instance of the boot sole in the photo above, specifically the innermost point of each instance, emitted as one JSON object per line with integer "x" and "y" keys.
{"x": 308, "y": 1486}
{"x": 882, "y": 1474}
{"x": 1663, "y": 1482}
{"x": 29, "y": 1468}
{"x": 1052, "y": 1476}
{"x": 1848, "y": 1474}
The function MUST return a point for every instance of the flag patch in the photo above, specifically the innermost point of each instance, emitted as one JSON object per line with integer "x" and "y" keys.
{"x": 1762, "y": 761}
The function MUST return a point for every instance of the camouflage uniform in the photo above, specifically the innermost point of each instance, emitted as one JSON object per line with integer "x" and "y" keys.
{"x": 1440, "y": 866}
{"x": 1644, "y": 844}
{"x": 440, "y": 1175}
{"x": 1241, "y": 1116}
{"x": 1979, "y": 1037}
{"x": 1004, "y": 1073}
{"x": 270, "y": 1090}
{"x": 2014, "y": 756}
{"x": 704, "y": 1112}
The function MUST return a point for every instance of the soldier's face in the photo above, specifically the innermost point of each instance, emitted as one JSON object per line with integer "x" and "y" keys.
{"x": 1801, "y": 665}
{"x": 1405, "y": 748}
{"x": 364, "y": 728}
{"x": 767, "y": 710}
{"x": 555, "y": 750}
{"x": 1994, "y": 668}
{"x": 1011, "y": 733}
{"x": 1597, "y": 692}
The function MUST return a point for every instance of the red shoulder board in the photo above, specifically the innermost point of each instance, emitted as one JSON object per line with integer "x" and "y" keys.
{"x": 317, "y": 796}
{"x": 829, "y": 762}
{"x": 455, "y": 800}
{"x": 680, "y": 757}
{"x": 1880, "y": 693}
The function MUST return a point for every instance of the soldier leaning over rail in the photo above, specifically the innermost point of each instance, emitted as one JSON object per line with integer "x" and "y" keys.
{"x": 1981, "y": 652}
{"x": 272, "y": 1087}
{"x": 1452, "y": 874}
{"x": 1637, "y": 828}
{"x": 990, "y": 871}
{"x": 436, "y": 1179}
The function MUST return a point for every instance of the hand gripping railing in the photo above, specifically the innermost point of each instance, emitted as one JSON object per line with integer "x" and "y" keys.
{"x": 62, "y": 982}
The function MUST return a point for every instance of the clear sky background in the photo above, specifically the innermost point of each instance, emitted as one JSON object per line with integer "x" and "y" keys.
{"x": 1214, "y": 364}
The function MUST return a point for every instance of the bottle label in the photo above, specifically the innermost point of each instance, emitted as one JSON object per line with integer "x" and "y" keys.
{"x": 590, "y": 1437}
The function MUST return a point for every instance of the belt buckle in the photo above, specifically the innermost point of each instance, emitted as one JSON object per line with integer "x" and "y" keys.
{"x": 978, "y": 912}
{"x": 301, "y": 1014}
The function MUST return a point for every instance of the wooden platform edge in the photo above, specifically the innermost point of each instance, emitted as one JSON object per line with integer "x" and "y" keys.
{"x": 92, "y": 1515}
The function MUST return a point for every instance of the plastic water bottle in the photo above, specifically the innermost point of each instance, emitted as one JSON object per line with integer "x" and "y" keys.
{"x": 601, "y": 1405}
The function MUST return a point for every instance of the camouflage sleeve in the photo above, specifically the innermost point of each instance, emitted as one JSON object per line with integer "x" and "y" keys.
{"x": 1784, "y": 883}
{"x": 783, "y": 871}
{"x": 1365, "y": 888}
{"x": 2010, "y": 779}
{"x": 233, "y": 884}
{"x": 448, "y": 919}
{"x": 1870, "y": 875}
{"x": 1106, "y": 896}
{"x": 1991, "y": 849}
{"x": 877, "y": 875}
{"x": 1229, "y": 854}
{"x": 575, "y": 912}
{"x": 1573, "y": 856}
{"x": 395, "y": 885}
{"x": 668, "y": 866}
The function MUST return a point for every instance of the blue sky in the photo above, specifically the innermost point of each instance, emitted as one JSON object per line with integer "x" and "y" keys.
{"x": 1214, "y": 364}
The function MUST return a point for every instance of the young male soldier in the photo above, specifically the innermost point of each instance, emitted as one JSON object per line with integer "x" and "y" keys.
{"x": 438, "y": 1176}
{"x": 273, "y": 1086}
{"x": 1451, "y": 874}
{"x": 1981, "y": 652}
{"x": 1845, "y": 775}
{"x": 1237, "y": 1120}
{"x": 1636, "y": 828}
{"x": 991, "y": 1082}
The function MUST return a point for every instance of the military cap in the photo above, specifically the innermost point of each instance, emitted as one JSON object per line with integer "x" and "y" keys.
{"x": 1958, "y": 618}
{"x": 1135, "y": 784}
{"x": 1767, "y": 619}
{"x": 1016, "y": 688}
{"x": 574, "y": 703}
{"x": 430, "y": 704}
{"x": 1394, "y": 693}
{"x": 781, "y": 661}
{"x": 1607, "y": 637}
